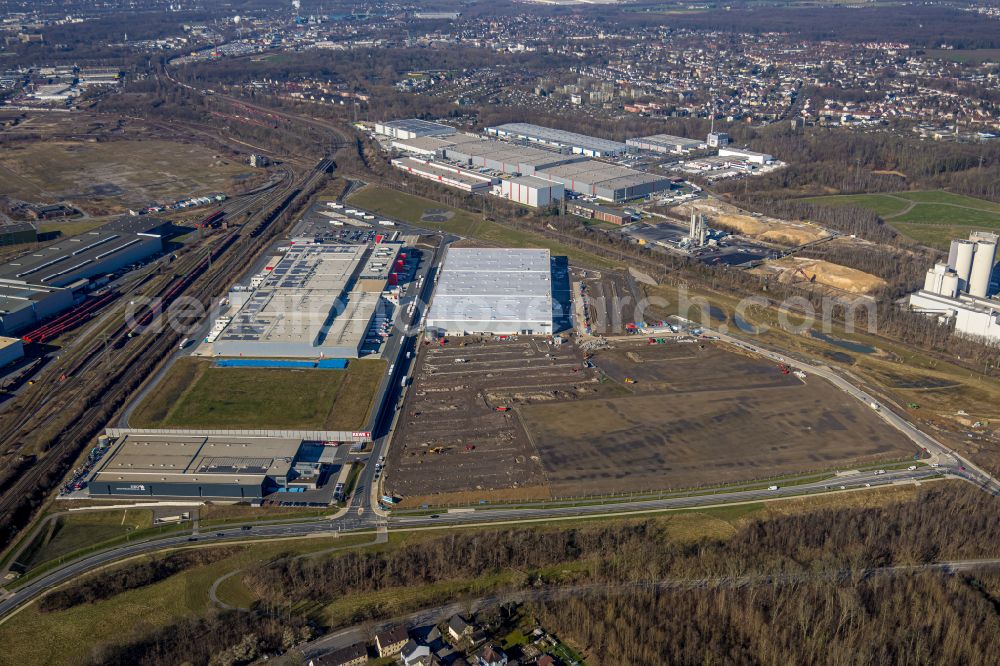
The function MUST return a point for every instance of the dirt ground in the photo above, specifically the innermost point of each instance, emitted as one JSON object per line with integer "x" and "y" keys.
{"x": 696, "y": 414}
{"x": 766, "y": 229}
{"x": 797, "y": 270}
{"x": 108, "y": 177}
{"x": 609, "y": 297}
{"x": 451, "y": 406}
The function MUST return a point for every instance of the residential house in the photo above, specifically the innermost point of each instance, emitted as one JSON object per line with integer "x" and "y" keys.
{"x": 491, "y": 655}
{"x": 391, "y": 641}
{"x": 458, "y": 628}
{"x": 352, "y": 655}
{"x": 413, "y": 652}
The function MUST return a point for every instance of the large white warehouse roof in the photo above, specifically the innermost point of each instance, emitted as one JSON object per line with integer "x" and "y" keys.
{"x": 493, "y": 290}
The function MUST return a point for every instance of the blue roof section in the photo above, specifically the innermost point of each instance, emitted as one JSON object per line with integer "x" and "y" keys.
{"x": 325, "y": 364}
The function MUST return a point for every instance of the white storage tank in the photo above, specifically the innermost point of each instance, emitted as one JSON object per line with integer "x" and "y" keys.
{"x": 933, "y": 280}
{"x": 964, "y": 252}
{"x": 982, "y": 267}
{"x": 949, "y": 285}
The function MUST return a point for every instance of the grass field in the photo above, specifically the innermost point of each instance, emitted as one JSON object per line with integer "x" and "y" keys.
{"x": 111, "y": 176}
{"x": 931, "y": 217}
{"x": 411, "y": 209}
{"x": 971, "y": 56}
{"x": 67, "y": 228}
{"x": 196, "y": 394}
{"x": 72, "y": 532}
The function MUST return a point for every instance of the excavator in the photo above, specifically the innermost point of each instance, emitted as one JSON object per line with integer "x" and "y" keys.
{"x": 798, "y": 271}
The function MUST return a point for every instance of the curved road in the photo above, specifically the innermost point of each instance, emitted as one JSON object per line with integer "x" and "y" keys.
{"x": 358, "y": 518}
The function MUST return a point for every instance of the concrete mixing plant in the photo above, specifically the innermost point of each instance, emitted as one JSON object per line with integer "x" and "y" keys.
{"x": 961, "y": 288}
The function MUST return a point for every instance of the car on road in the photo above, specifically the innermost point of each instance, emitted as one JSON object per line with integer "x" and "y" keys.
{"x": 220, "y": 534}
{"x": 436, "y": 515}
{"x": 246, "y": 527}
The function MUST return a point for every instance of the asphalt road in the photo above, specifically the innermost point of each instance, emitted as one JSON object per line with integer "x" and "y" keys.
{"x": 359, "y": 517}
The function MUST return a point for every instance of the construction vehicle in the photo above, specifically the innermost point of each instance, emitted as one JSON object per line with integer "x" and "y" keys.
{"x": 469, "y": 447}
{"x": 913, "y": 405}
{"x": 629, "y": 380}
{"x": 783, "y": 368}
{"x": 501, "y": 409}
{"x": 799, "y": 271}
{"x": 436, "y": 449}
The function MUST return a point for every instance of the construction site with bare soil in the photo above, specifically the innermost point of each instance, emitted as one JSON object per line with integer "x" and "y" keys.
{"x": 760, "y": 228}
{"x": 518, "y": 418}
{"x": 825, "y": 274}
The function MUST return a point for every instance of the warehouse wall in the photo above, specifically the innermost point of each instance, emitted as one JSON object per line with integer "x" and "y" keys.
{"x": 162, "y": 489}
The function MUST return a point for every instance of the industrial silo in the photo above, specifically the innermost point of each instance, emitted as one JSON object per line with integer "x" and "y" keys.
{"x": 982, "y": 266}
{"x": 934, "y": 279}
{"x": 949, "y": 285}
{"x": 964, "y": 252}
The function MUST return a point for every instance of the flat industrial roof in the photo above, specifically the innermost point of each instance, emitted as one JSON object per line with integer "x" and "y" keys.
{"x": 433, "y": 169}
{"x": 313, "y": 296}
{"x": 417, "y": 125}
{"x": 668, "y": 140}
{"x": 534, "y": 181}
{"x": 7, "y": 342}
{"x": 600, "y": 173}
{"x": 560, "y": 137}
{"x": 192, "y": 459}
{"x": 47, "y": 264}
{"x": 494, "y": 284}
{"x": 423, "y": 143}
{"x": 15, "y": 294}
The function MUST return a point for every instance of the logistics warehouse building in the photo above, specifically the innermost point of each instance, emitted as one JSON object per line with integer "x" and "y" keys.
{"x": 317, "y": 300}
{"x": 412, "y": 128}
{"x": 493, "y": 291}
{"x": 40, "y": 284}
{"x": 609, "y": 182}
{"x": 165, "y": 465}
{"x": 578, "y": 143}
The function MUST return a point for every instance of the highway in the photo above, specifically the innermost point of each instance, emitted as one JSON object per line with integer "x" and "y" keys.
{"x": 360, "y": 517}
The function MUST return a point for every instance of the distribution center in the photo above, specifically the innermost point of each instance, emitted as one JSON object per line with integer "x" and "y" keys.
{"x": 493, "y": 291}
{"x": 318, "y": 300}
{"x": 577, "y": 143}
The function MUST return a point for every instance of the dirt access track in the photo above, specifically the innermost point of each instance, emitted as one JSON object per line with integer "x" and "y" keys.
{"x": 691, "y": 414}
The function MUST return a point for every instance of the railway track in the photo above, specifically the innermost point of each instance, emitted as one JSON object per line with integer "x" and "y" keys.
{"x": 100, "y": 388}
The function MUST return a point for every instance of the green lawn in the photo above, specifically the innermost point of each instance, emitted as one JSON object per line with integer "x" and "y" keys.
{"x": 972, "y": 56}
{"x": 34, "y": 637}
{"x": 932, "y": 217}
{"x": 883, "y": 204}
{"x": 197, "y": 394}
{"x": 70, "y": 227}
{"x": 77, "y": 531}
{"x": 411, "y": 209}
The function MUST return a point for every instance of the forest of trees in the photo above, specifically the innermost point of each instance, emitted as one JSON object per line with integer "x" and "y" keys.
{"x": 926, "y": 618}
{"x": 824, "y": 540}
{"x": 806, "y": 583}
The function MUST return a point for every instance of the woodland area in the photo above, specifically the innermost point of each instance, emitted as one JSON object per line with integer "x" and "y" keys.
{"x": 825, "y": 540}
{"x": 811, "y": 588}
{"x": 926, "y": 618}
